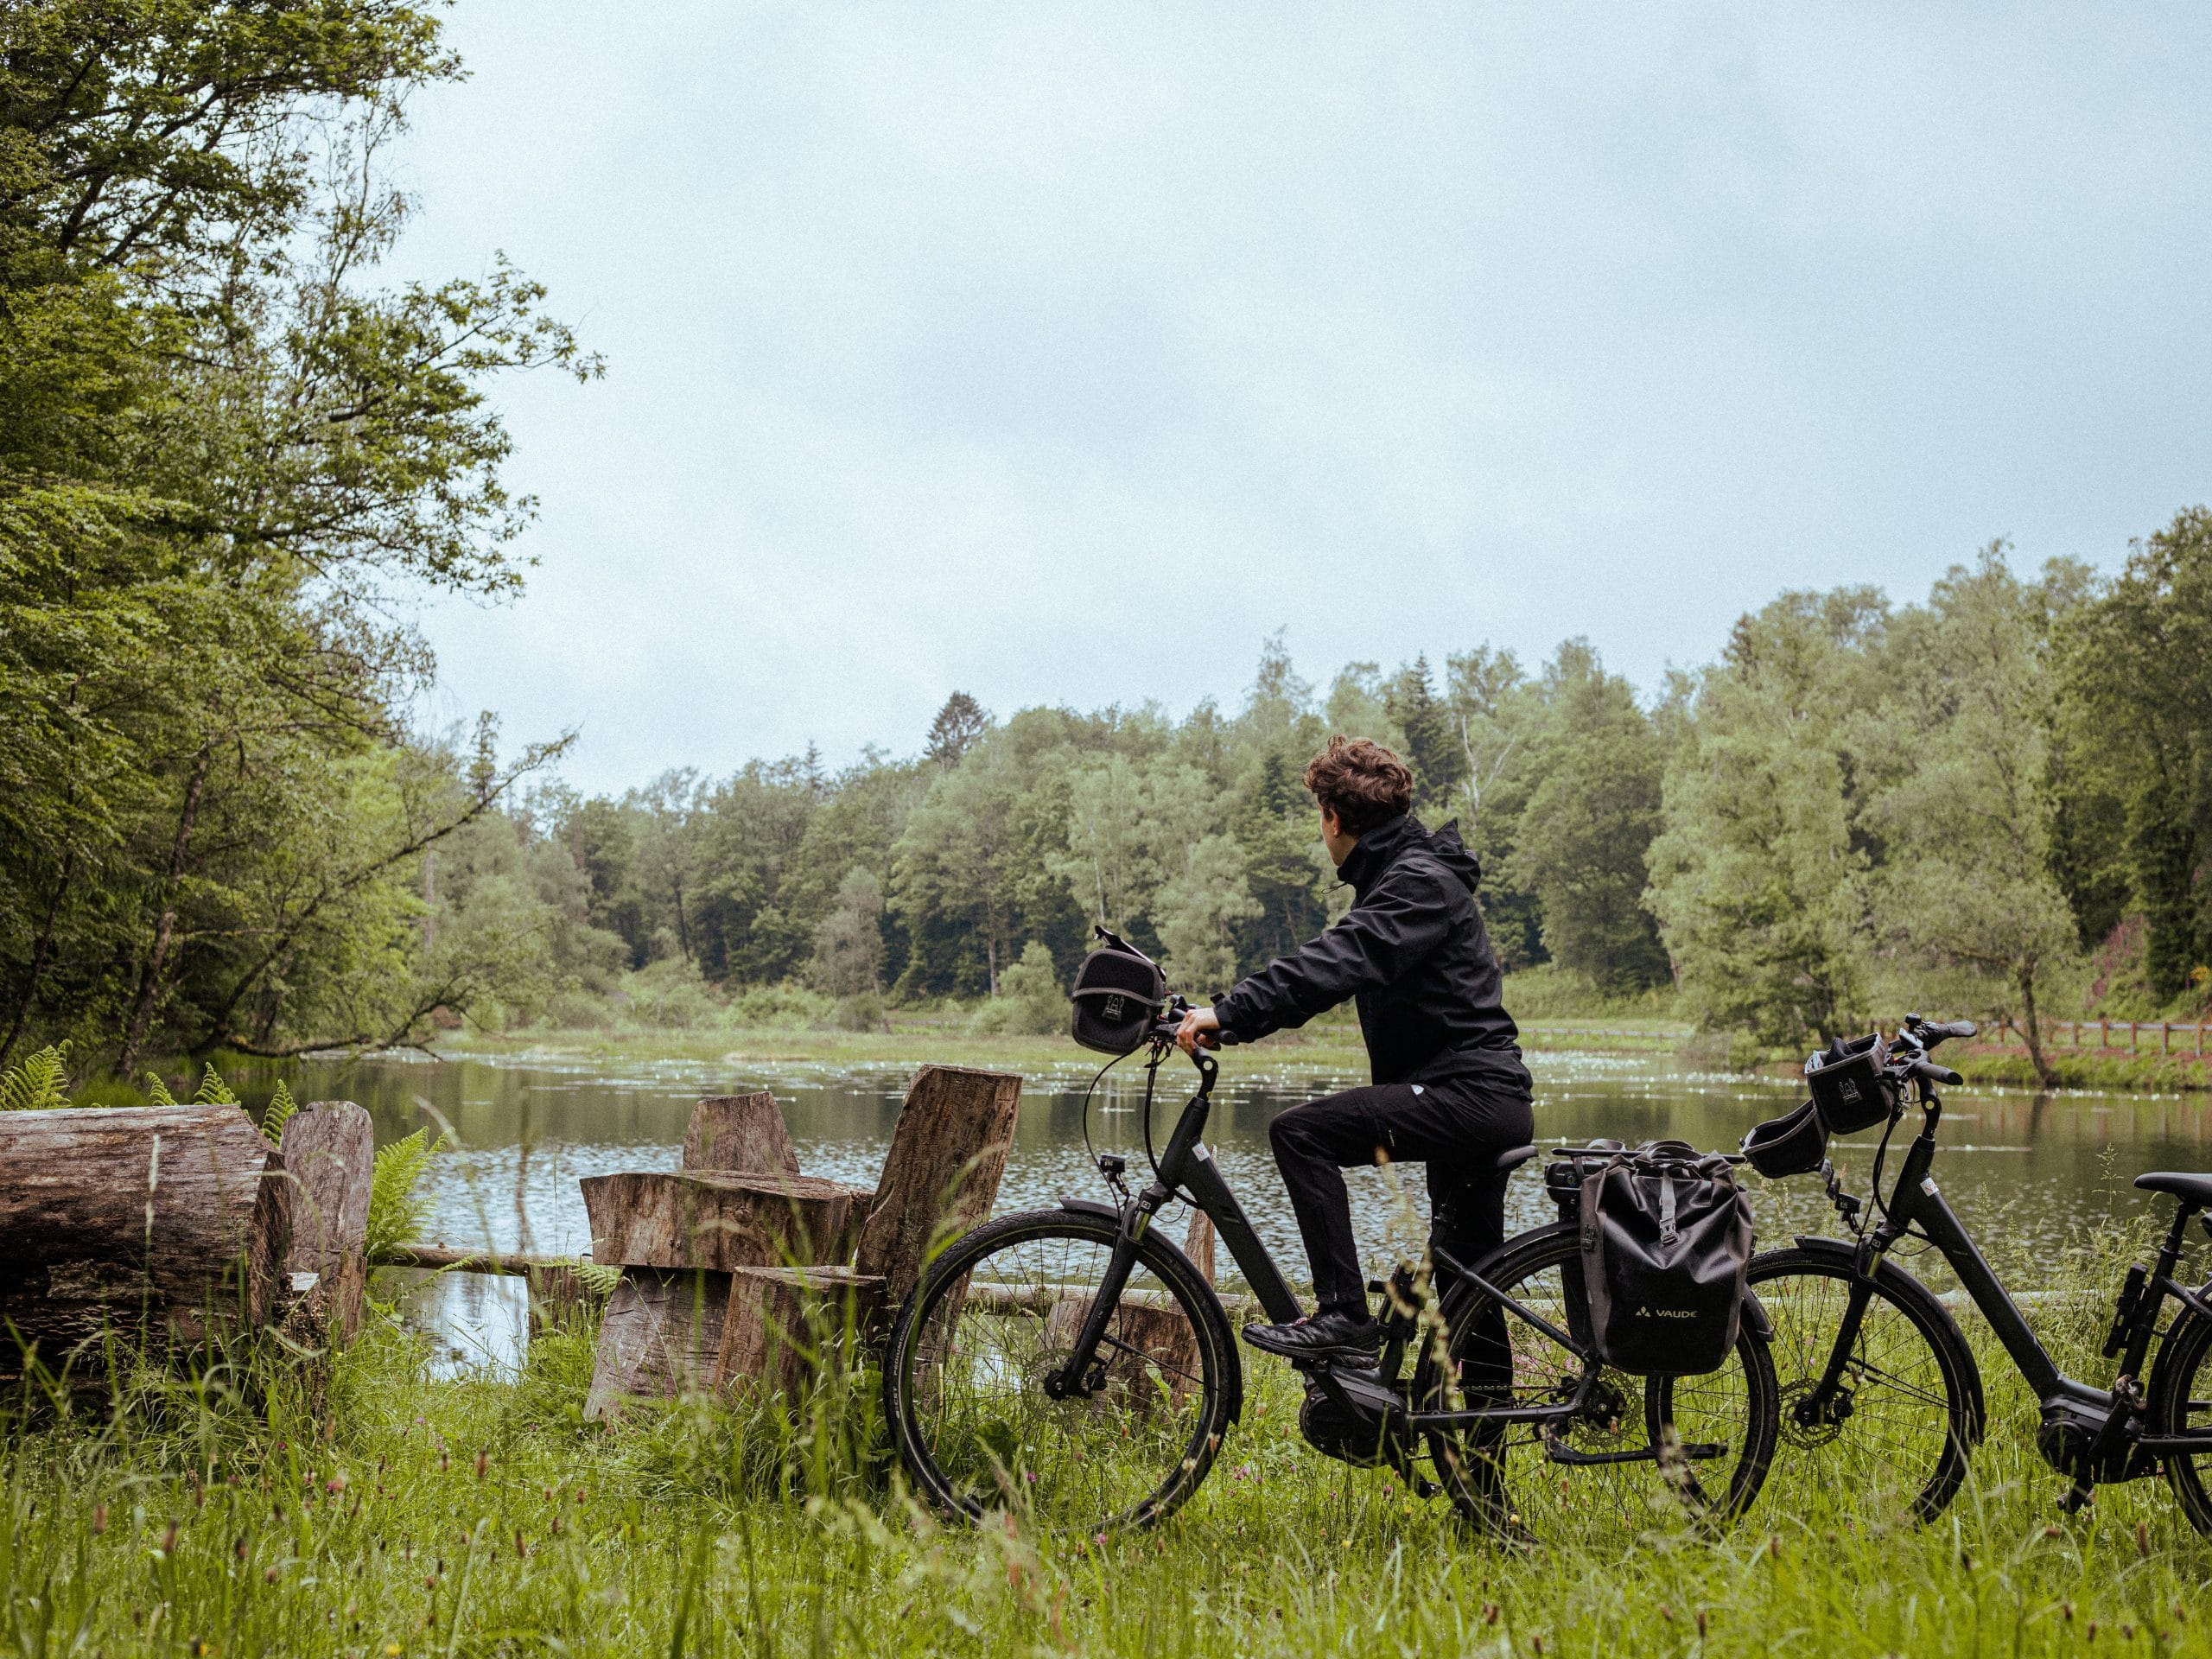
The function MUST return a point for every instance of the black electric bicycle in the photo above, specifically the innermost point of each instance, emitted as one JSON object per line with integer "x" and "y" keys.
{"x": 1074, "y": 1364}
{"x": 1879, "y": 1387}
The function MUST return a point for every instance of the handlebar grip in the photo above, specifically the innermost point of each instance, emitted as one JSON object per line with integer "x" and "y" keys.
{"x": 1950, "y": 1027}
{"x": 1935, "y": 1073}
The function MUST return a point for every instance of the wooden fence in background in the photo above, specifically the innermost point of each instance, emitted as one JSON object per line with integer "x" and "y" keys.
{"x": 2128, "y": 1036}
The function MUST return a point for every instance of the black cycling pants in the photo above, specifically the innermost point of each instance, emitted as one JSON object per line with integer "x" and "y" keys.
{"x": 1456, "y": 1126}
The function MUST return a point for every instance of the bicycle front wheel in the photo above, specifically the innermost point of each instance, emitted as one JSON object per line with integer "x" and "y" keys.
{"x": 1640, "y": 1449}
{"x": 2180, "y": 1384}
{"x": 1896, "y": 1431}
{"x": 982, "y": 1418}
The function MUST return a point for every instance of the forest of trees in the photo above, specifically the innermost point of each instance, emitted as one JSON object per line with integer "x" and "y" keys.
{"x": 230, "y": 461}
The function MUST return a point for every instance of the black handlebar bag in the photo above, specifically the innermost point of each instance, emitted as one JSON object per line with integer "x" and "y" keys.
{"x": 1118, "y": 991}
{"x": 1666, "y": 1251}
{"x": 1850, "y": 1083}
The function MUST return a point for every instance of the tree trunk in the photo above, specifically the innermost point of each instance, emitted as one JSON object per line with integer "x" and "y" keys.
{"x": 2032, "y": 1032}
{"x": 739, "y": 1132}
{"x": 169, "y": 1222}
{"x": 24, "y": 1003}
{"x": 948, "y": 1153}
{"x": 149, "y": 979}
{"x": 720, "y": 1220}
{"x": 329, "y": 1151}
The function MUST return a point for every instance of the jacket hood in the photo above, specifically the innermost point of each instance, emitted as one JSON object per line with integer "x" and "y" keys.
{"x": 1380, "y": 848}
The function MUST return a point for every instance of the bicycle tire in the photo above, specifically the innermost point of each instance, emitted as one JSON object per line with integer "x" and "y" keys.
{"x": 2179, "y": 1405}
{"x": 1911, "y": 1362}
{"x": 1491, "y": 1473}
{"x": 994, "y": 1315}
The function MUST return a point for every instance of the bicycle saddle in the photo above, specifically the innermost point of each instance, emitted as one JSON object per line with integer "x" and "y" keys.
{"x": 2195, "y": 1190}
{"x": 1506, "y": 1162}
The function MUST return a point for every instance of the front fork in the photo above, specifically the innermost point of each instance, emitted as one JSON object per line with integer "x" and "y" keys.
{"x": 1081, "y": 1376}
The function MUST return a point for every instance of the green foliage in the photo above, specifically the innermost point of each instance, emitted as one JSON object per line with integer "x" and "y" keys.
{"x": 1588, "y": 825}
{"x": 225, "y": 452}
{"x": 281, "y": 1107}
{"x": 157, "y": 1090}
{"x": 35, "y": 1085}
{"x": 2135, "y": 742}
{"x": 397, "y": 1205}
{"x": 212, "y": 1090}
{"x": 1030, "y": 1001}
{"x": 277, "y": 1517}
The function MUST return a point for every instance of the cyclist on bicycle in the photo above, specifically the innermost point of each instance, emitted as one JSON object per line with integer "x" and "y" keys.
{"x": 1449, "y": 1088}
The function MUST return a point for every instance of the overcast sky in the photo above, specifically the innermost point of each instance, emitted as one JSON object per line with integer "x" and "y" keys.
{"x": 1058, "y": 353}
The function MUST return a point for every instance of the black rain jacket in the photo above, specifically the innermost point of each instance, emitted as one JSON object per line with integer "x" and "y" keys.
{"x": 1413, "y": 951}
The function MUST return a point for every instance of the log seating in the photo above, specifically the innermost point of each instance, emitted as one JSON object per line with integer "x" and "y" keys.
{"x": 172, "y": 1223}
{"x": 329, "y": 1151}
{"x": 735, "y": 1276}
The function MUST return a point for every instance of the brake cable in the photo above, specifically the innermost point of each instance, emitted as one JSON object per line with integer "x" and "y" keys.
{"x": 1089, "y": 1151}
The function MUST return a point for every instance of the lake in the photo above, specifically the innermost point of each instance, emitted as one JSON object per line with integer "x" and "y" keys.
{"x": 2025, "y": 1170}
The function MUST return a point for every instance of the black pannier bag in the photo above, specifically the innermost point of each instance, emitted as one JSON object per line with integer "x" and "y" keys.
{"x": 1666, "y": 1249}
{"x": 1118, "y": 991}
{"x": 1850, "y": 1089}
{"x": 1793, "y": 1144}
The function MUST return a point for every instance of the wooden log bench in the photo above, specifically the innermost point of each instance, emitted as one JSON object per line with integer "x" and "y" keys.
{"x": 736, "y": 1278}
{"x": 160, "y": 1226}
{"x": 329, "y": 1153}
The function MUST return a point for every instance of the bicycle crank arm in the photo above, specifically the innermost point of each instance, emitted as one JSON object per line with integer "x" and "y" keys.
{"x": 1694, "y": 1451}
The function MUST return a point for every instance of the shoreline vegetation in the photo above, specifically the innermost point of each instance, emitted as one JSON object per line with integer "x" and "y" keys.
{"x": 360, "y": 1503}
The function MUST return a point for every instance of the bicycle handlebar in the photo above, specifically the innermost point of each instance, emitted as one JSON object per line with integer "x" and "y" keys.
{"x": 1932, "y": 1032}
{"x": 1933, "y": 1073}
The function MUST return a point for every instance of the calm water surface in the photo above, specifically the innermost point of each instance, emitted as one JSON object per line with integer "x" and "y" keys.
{"x": 2023, "y": 1171}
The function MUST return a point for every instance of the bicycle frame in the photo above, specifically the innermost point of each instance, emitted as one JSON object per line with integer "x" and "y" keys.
{"x": 2088, "y": 1433}
{"x": 1187, "y": 1166}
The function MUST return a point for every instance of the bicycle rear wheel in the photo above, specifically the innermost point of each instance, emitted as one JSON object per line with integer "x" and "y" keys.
{"x": 968, "y": 1370}
{"x": 1899, "y": 1429}
{"x": 1644, "y": 1448}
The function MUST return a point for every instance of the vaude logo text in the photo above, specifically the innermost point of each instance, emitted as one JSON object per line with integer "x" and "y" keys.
{"x": 1648, "y": 1311}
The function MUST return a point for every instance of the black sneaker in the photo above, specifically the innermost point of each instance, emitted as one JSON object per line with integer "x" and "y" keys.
{"x": 1328, "y": 1337}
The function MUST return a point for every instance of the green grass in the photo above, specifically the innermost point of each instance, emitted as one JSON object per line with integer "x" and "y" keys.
{"x": 363, "y": 1507}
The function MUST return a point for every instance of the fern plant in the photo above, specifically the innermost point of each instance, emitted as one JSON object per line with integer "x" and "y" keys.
{"x": 35, "y": 1085}
{"x": 157, "y": 1092}
{"x": 281, "y": 1108}
{"x": 214, "y": 1091}
{"x": 397, "y": 1205}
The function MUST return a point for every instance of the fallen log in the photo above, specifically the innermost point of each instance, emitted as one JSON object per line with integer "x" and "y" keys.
{"x": 160, "y": 1223}
{"x": 435, "y": 1258}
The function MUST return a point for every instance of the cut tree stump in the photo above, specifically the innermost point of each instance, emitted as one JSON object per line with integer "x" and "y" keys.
{"x": 164, "y": 1223}
{"x": 948, "y": 1153}
{"x": 329, "y": 1150}
{"x": 785, "y": 1326}
{"x": 742, "y": 1132}
{"x": 721, "y": 1220}
{"x": 739, "y": 1279}
{"x": 661, "y": 1335}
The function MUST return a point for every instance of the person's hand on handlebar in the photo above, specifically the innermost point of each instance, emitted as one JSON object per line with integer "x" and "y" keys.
{"x": 1201, "y": 1028}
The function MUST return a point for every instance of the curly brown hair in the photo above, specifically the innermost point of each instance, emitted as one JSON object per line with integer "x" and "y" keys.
{"x": 1360, "y": 781}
